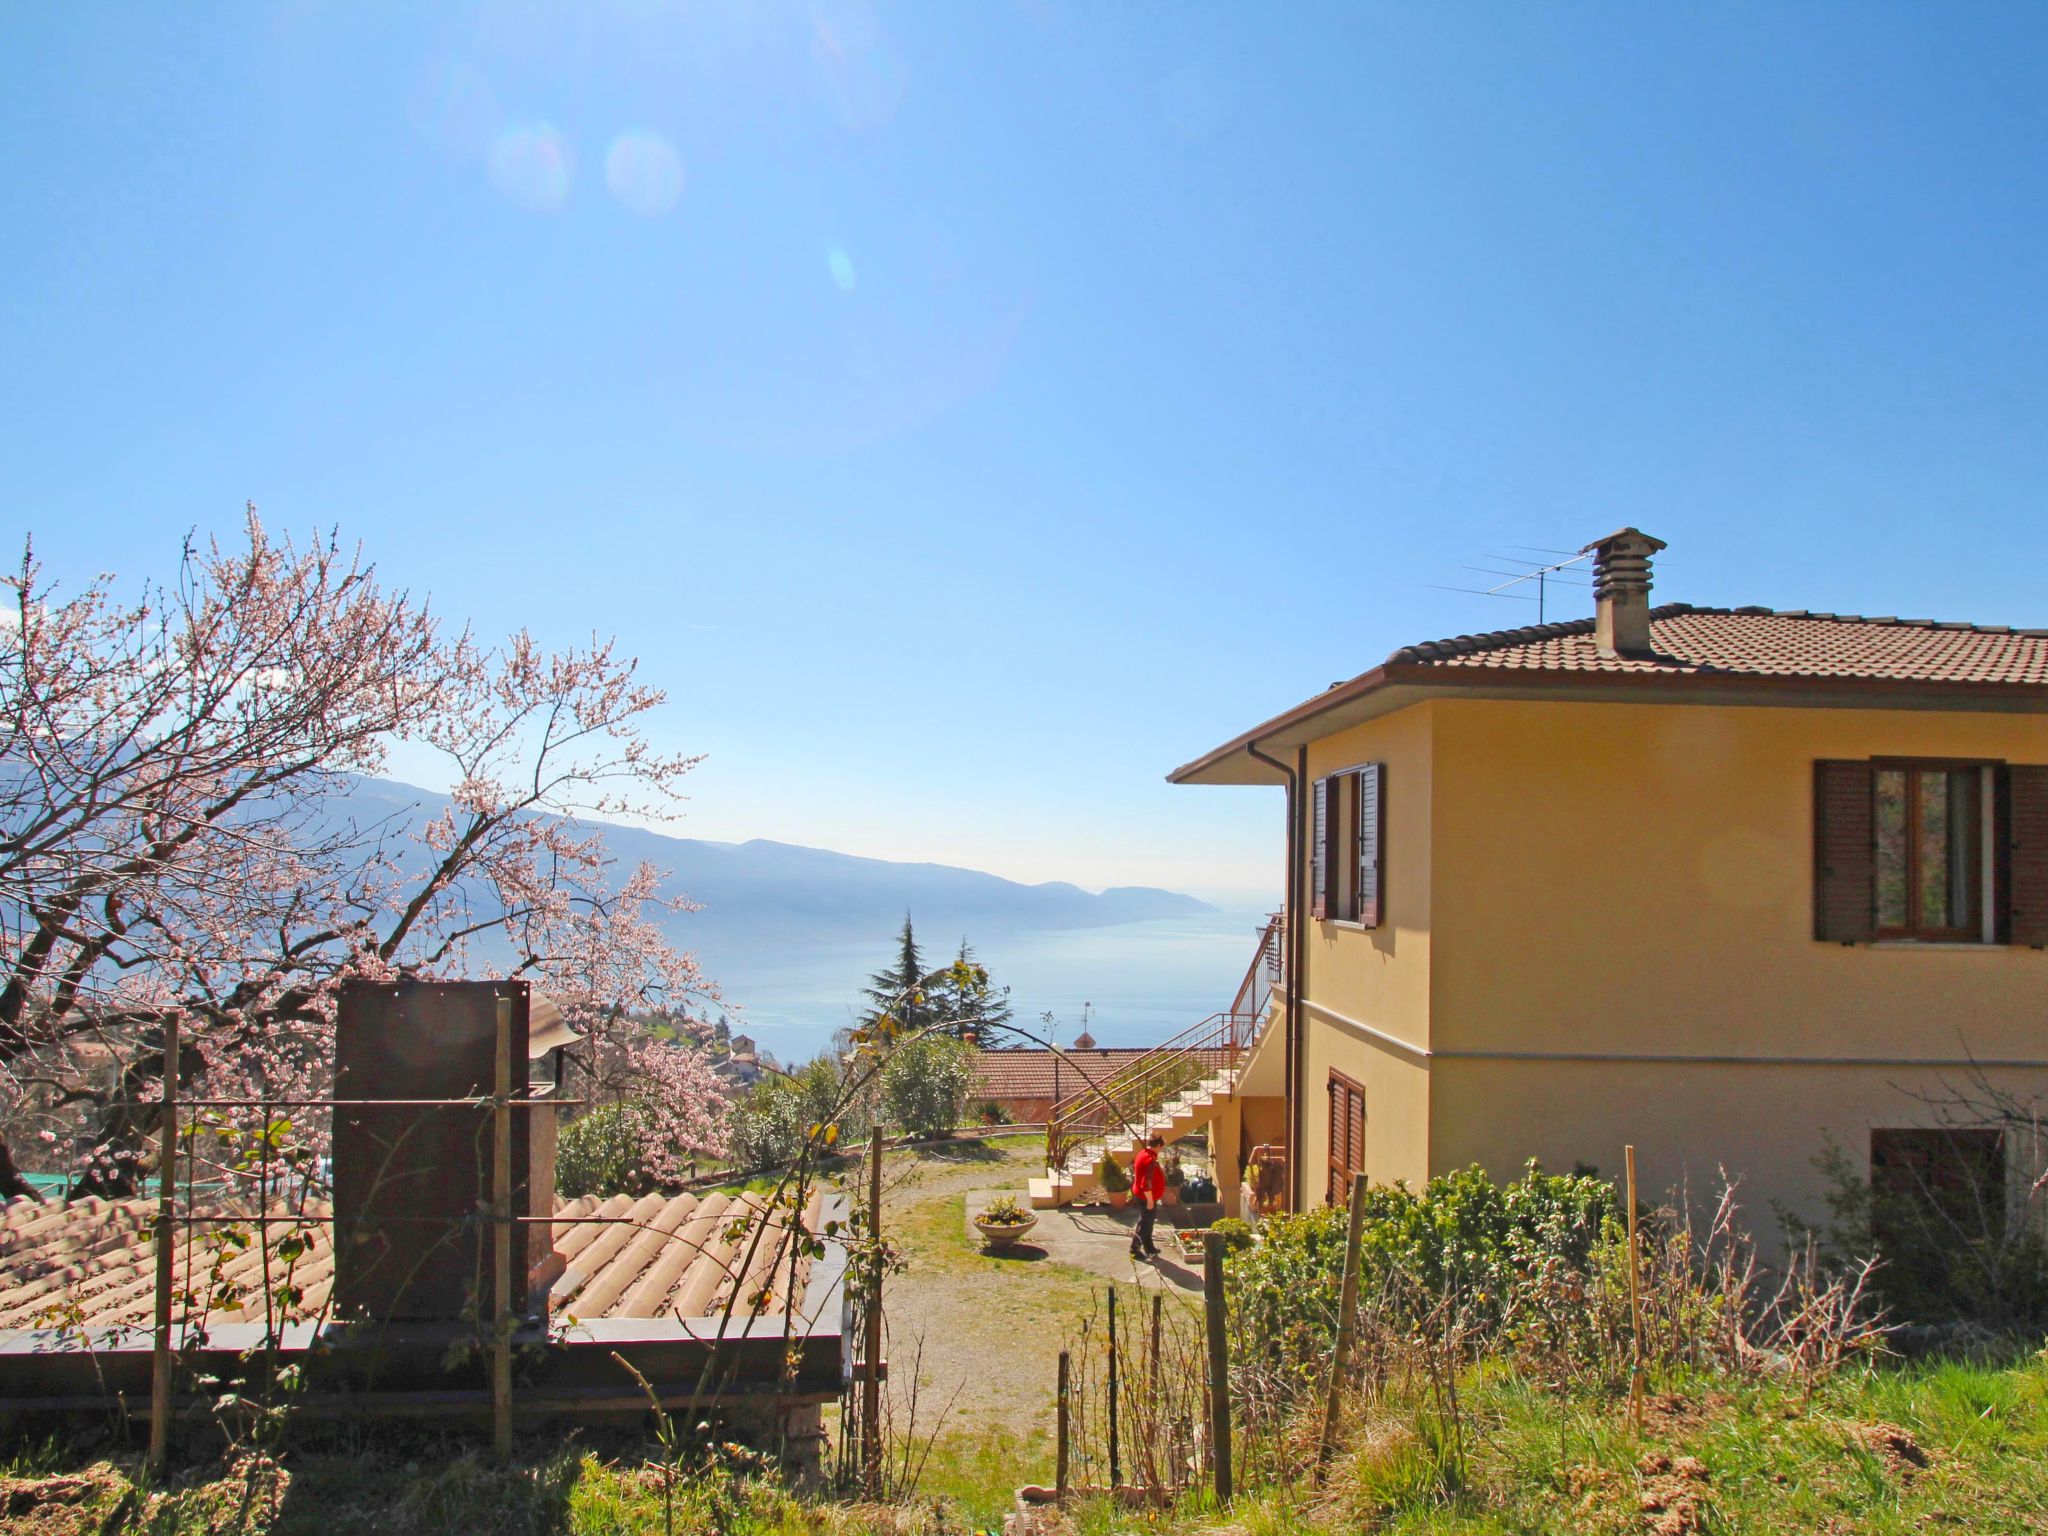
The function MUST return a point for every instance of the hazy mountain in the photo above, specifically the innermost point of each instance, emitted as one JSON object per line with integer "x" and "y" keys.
{"x": 760, "y": 894}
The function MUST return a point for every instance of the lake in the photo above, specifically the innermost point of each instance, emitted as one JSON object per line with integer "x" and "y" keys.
{"x": 1148, "y": 981}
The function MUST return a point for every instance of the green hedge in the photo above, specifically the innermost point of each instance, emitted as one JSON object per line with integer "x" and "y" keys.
{"x": 1463, "y": 1235}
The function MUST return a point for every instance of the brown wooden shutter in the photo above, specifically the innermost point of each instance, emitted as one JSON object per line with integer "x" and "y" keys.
{"x": 1844, "y": 852}
{"x": 1336, "y": 1156}
{"x": 1347, "y": 1137}
{"x": 2025, "y": 853}
{"x": 1319, "y": 857}
{"x": 1372, "y": 802}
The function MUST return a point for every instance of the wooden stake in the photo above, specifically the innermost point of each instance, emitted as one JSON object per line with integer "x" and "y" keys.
{"x": 501, "y": 1241}
{"x": 1153, "y": 1414}
{"x": 1059, "y": 1478}
{"x": 166, "y": 1273}
{"x": 871, "y": 1384}
{"x": 1635, "y": 1299}
{"x": 1116, "y": 1469}
{"x": 1219, "y": 1362}
{"x": 1347, "y": 1321}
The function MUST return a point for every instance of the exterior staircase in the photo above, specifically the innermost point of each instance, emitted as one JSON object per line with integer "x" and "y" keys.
{"x": 1171, "y": 1091}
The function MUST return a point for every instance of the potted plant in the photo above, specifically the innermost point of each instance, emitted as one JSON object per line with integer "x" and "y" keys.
{"x": 1003, "y": 1221}
{"x": 1236, "y": 1235}
{"x": 1114, "y": 1179}
{"x": 1175, "y": 1176}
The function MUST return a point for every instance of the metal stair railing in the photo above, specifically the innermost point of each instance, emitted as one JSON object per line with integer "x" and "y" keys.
{"x": 1122, "y": 1103}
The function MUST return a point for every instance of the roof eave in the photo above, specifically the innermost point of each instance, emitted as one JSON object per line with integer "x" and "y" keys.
{"x": 1397, "y": 685}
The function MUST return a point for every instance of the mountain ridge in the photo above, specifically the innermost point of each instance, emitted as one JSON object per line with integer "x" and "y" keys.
{"x": 749, "y": 893}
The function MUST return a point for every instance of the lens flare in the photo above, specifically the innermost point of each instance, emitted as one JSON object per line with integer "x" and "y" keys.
{"x": 644, "y": 173}
{"x": 532, "y": 165}
{"x": 840, "y": 265}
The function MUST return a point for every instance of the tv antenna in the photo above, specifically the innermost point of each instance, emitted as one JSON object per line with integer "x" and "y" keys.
{"x": 1564, "y": 572}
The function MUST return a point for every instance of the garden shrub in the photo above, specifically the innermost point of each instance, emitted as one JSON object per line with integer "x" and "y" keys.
{"x": 925, "y": 1084}
{"x": 603, "y": 1152}
{"x": 1236, "y": 1234}
{"x": 1944, "y": 1260}
{"x": 768, "y": 1126}
{"x": 1463, "y": 1237}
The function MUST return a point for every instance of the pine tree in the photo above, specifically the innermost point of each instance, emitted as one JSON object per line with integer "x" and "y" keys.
{"x": 962, "y": 997}
{"x": 896, "y": 991}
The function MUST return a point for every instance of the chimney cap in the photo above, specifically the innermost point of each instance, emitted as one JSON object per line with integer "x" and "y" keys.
{"x": 1602, "y": 546}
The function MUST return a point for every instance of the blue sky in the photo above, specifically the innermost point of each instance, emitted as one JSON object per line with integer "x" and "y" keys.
{"x": 968, "y": 412}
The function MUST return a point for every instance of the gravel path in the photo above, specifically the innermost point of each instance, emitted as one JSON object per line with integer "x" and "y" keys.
{"x": 984, "y": 1333}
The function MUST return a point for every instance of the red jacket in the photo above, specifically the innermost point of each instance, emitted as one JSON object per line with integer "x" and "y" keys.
{"x": 1147, "y": 1177}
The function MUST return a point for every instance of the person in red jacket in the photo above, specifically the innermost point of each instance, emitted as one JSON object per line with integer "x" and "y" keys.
{"x": 1148, "y": 1188}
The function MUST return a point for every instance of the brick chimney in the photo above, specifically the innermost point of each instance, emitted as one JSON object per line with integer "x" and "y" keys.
{"x": 1621, "y": 591}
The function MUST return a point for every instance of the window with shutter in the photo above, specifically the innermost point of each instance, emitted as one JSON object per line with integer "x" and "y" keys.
{"x": 1371, "y": 821}
{"x": 1319, "y": 841}
{"x": 2024, "y": 853}
{"x": 1925, "y": 849}
{"x": 1347, "y": 1137}
{"x": 1844, "y": 852}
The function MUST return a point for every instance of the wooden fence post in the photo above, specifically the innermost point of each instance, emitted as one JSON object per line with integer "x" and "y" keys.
{"x": 501, "y": 1241}
{"x": 1153, "y": 1413}
{"x": 166, "y": 1272}
{"x": 1059, "y": 1480}
{"x": 1116, "y": 1468}
{"x": 1347, "y": 1322}
{"x": 871, "y": 1383}
{"x": 1635, "y": 1299}
{"x": 1219, "y": 1362}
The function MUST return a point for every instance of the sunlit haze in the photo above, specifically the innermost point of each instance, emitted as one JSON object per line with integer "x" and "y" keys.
{"x": 968, "y": 413}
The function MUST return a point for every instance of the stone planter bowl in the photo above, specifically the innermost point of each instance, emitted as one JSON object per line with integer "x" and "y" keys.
{"x": 1003, "y": 1234}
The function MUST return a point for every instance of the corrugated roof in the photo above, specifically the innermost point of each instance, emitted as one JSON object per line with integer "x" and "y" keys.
{"x": 89, "y": 1263}
{"x": 1763, "y": 642}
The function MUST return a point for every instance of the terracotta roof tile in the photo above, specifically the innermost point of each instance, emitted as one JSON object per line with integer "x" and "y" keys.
{"x": 1028, "y": 1073}
{"x": 1761, "y": 642}
{"x": 88, "y": 1263}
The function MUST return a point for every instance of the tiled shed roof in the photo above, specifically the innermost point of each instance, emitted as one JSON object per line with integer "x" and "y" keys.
{"x": 1762, "y": 642}
{"x": 88, "y": 1263}
{"x": 1029, "y": 1073}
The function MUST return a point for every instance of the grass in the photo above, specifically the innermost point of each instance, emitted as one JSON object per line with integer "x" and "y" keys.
{"x": 1959, "y": 1444}
{"x": 1896, "y": 1449}
{"x": 1886, "y": 1451}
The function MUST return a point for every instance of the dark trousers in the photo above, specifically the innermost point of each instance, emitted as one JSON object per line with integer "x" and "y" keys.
{"x": 1141, "y": 1240}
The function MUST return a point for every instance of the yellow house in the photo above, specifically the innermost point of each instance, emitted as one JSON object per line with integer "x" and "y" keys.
{"x": 1722, "y": 883}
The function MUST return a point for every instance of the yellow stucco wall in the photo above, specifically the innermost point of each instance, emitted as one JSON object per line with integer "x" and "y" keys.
{"x": 1382, "y": 975}
{"x": 1765, "y": 1125}
{"x": 1640, "y": 878}
{"x": 1636, "y": 880}
{"x": 1397, "y": 1105}
{"x": 1378, "y": 977}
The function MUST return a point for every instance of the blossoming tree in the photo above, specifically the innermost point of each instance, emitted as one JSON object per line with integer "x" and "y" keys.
{"x": 176, "y": 843}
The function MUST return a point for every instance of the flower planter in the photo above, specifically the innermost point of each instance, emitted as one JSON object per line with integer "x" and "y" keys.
{"x": 1193, "y": 1249}
{"x": 1003, "y": 1234}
